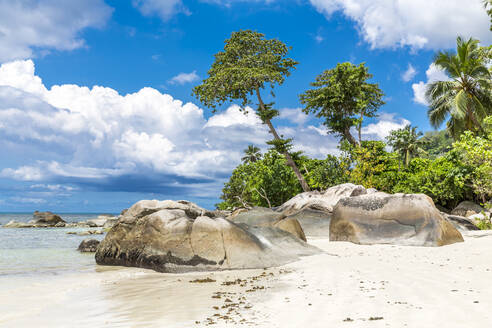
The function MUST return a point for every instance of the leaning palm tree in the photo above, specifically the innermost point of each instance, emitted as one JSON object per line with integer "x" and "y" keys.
{"x": 252, "y": 154}
{"x": 406, "y": 142}
{"x": 466, "y": 98}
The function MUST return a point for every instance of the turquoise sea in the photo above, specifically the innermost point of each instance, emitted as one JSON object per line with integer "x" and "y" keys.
{"x": 43, "y": 251}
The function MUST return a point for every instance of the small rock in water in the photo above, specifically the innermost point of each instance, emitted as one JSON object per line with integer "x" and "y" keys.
{"x": 88, "y": 245}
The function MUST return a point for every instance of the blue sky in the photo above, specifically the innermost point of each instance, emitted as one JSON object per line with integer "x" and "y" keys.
{"x": 96, "y": 109}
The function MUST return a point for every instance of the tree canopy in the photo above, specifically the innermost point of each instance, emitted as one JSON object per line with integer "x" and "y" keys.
{"x": 343, "y": 97}
{"x": 249, "y": 63}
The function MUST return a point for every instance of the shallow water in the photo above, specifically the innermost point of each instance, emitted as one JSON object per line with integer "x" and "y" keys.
{"x": 50, "y": 251}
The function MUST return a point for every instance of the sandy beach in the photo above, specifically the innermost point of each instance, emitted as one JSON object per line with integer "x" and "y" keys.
{"x": 347, "y": 286}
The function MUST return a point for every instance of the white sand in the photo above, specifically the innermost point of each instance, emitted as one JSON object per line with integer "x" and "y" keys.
{"x": 419, "y": 287}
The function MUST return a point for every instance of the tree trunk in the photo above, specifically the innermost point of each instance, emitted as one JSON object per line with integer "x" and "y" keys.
{"x": 359, "y": 127}
{"x": 349, "y": 137}
{"x": 288, "y": 158}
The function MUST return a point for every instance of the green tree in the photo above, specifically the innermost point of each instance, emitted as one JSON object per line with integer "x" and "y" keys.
{"x": 488, "y": 6}
{"x": 325, "y": 173}
{"x": 252, "y": 154}
{"x": 476, "y": 152}
{"x": 373, "y": 166}
{"x": 406, "y": 141}
{"x": 248, "y": 64}
{"x": 444, "y": 179}
{"x": 343, "y": 97}
{"x": 436, "y": 143}
{"x": 267, "y": 182}
{"x": 467, "y": 97}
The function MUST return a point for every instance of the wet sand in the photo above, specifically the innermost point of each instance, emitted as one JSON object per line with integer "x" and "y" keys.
{"x": 347, "y": 286}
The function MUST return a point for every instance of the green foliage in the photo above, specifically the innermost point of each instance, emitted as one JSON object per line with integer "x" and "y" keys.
{"x": 266, "y": 182}
{"x": 476, "y": 152}
{"x": 467, "y": 98}
{"x": 443, "y": 179}
{"x": 248, "y": 62}
{"x": 323, "y": 174}
{"x": 374, "y": 166}
{"x": 488, "y": 6}
{"x": 281, "y": 145}
{"x": 406, "y": 142}
{"x": 484, "y": 224}
{"x": 343, "y": 97}
{"x": 436, "y": 143}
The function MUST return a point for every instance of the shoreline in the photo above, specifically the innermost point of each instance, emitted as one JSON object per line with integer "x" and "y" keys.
{"x": 349, "y": 285}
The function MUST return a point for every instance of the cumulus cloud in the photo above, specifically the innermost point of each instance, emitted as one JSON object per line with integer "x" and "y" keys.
{"x": 294, "y": 115}
{"x": 183, "y": 78}
{"x": 100, "y": 134}
{"x": 409, "y": 74}
{"x": 431, "y": 24}
{"x": 380, "y": 130}
{"x": 165, "y": 9}
{"x": 433, "y": 74}
{"x": 26, "y": 25}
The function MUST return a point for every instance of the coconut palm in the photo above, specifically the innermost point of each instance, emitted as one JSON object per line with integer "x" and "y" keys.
{"x": 488, "y": 6}
{"x": 406, "y": 142}
{"x": 466, "y": 98}
{"x": 252, "y": 154}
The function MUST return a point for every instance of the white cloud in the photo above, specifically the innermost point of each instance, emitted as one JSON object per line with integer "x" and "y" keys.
{"x": 433, "y": 74}
{"x": 53, "y": 187}
{"x": 380, "y": 130}
{"x": 165, "y": 9}
{"x": 234, "y": 116}
{"x": 28, "y": 200}
{"x": 409, "y": 74}
{"x": 295, "y": 115}
{"x": 183, "y": 78}
{"x": 26, "y": 25}
{"x": 431, "y": 24}
{"x": 99, "y": 133}
{"x": 24, "y": 173}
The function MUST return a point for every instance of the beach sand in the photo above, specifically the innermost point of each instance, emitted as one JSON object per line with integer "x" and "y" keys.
{"x": 347, "y": 286}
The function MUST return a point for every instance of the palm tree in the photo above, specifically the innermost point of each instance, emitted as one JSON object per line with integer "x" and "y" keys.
{"x": 488, "y": 6}
{"x": 406, "y": 141}
{"x": 252, "y": 153}
{"x": 466, "y": 98}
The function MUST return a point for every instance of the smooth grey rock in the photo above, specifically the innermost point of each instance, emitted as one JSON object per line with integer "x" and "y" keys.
{"x": 321, "y": 201}
{"x": 265, "y": 217}
{"x": 399, "y": 219}
{"x": 467, "y": 208}
{"x": 170, "y": 236}
{"x": 460, "y": 222}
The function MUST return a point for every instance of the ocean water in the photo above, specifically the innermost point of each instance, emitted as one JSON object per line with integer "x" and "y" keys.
{"x": 43, "y": 251}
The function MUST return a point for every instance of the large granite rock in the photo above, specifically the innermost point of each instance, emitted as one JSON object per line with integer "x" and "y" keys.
{"x": 467, "y": 208}
{"x": 399, "y": 219}
{"x": 88, "y": 245}
{"x": 314, "y": 223}
{"x": 322, "y": 201}
{"x": 265, "y": 217}
{"x": 170, "y": 236}
{"x": 46, "y": 218}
